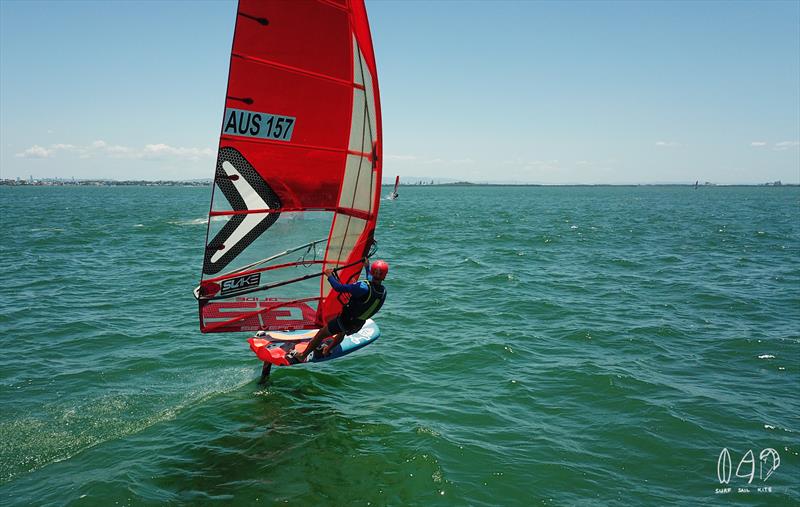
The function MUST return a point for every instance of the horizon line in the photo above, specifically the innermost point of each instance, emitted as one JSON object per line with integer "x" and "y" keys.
{"x": 19, "y": 181}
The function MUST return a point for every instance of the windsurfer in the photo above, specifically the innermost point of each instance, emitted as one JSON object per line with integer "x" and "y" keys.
{"x": 366, "y": 298}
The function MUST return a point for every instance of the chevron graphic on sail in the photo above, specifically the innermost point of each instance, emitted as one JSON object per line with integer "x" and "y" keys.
{"x": 245, "y": 190}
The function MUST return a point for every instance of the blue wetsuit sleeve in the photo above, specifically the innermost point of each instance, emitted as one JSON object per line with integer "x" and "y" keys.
{"x": 356, "y": 289}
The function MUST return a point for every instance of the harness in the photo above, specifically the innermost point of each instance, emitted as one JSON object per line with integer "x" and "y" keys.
{"x": 362, "y": 309}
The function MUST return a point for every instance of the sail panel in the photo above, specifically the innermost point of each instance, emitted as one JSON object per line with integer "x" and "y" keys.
{"x": 371, "y": 132}
{"x": 258, "y": 282}
{"x": 321, "y": 107}
{"x": 350, "y": 236}
{"x": 300, "y": 177}
{"x": 298, "y": 171}
{"x": 299, "y": 34}
{"x": 357, "y": 185}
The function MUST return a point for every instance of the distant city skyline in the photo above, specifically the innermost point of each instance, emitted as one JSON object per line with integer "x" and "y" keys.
{"x": 537, "y": 92}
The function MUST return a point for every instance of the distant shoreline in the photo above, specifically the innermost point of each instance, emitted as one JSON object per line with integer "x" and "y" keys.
{"x": 206, "y": 183}
{"x": 104, "y": 183}
{"x": 466, "y": 184}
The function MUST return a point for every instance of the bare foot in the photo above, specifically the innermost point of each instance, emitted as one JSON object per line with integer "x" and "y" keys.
{"x": 325, "y": 347}
{"x": 329, "y": 347}
{"x": 295, "y": 357}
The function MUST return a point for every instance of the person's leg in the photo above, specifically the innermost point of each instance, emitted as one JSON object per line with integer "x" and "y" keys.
{"x": 314, "y": 343}
{"x": 348, "y": 327}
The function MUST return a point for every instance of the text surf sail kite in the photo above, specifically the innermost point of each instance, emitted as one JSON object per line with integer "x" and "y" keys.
{"x": 297, "y": 182}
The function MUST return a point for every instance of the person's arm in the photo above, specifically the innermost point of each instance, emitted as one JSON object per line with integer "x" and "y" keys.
{"x": 356, "y": 289}
{"x": 366, "y": 268}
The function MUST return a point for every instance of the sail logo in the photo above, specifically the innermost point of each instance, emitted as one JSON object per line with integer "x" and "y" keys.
{"x": 239, "y": 122}
{"x": 240, "y": 283}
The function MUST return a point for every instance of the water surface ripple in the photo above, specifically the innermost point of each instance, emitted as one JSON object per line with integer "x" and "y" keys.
{"x": 541, "y": 345}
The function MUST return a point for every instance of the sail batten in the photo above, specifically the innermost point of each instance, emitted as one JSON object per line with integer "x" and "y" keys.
{"x": 299, "y": 158}
{"x": 366, "y": 215}
{"x": 301, "y": 146}
{"x": 298, "y": 70}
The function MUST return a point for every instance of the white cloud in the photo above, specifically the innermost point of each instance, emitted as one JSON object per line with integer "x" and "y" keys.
{"x": 101, "y": 149}
{"x": 35, "y": 151}
{"x": 444, "y": 161}
{"x": 785, "y": 145}
{"x": 422, "y": 160}
{"x": 540, "y": 166}
{"x": 522, "y": 168}
{"x": 165, "y": 151}
{"x": 667, "y": 144}
{"x": 557, "y": 170}
{"x": 462, "y": 161}
{"x": 781, "y": 146}
{"x": 119, "y": 151}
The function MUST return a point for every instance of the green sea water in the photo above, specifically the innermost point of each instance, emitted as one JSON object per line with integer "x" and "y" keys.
{"x": 540, "y": 346}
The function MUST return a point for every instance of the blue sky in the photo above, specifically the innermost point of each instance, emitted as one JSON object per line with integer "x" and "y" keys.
{"x": 543, "y": 92}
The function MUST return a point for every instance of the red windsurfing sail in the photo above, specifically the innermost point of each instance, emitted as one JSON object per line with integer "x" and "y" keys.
{"x": 396, "y": 182}
{"x": 296, "y": 186}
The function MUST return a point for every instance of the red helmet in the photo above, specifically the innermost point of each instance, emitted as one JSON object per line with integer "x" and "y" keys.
{"x": 379, "y": 269}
